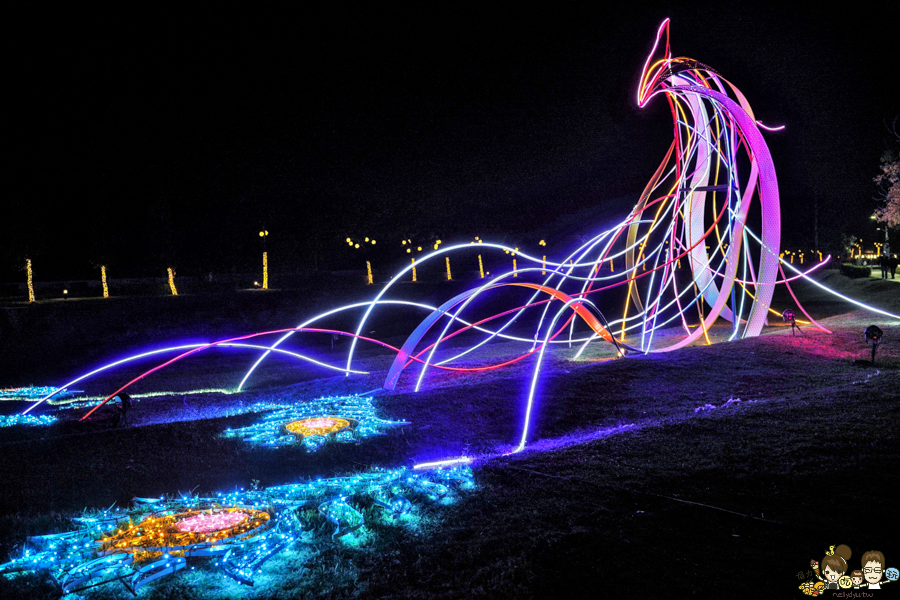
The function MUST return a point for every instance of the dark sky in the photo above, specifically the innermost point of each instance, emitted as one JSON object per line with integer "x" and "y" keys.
{"x": 147, "y": 139}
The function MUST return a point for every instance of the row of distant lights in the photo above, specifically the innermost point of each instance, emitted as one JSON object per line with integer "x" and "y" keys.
{"x": 799, "y": 253}
{"x": 353, "y": 244}
{"x": 408, "y": 242}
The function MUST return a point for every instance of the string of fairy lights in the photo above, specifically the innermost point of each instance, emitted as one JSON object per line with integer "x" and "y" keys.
{"x": 28, "y": 420}
{"x": 34, "y": 392}
{"x": 240, "y": 530}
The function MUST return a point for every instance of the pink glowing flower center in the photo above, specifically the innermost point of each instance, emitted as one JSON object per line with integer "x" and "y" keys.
{"x": 208, "y": 523}
{"x": 317, "y": 426}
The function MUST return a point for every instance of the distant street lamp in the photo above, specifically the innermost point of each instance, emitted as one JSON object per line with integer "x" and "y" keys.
{"x": 887, "y": 242}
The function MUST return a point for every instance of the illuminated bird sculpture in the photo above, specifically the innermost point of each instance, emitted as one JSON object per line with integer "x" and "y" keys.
{"x": 701, "y": 244}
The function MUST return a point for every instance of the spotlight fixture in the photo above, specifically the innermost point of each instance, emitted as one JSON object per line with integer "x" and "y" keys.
{"x": 874, "y": 335}
{"x": 788, "y": 316}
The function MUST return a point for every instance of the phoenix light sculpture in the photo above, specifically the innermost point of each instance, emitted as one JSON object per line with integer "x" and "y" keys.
{"x": 701, "y": 247}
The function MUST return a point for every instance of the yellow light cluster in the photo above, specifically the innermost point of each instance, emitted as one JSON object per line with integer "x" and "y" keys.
{"x": 353, "y": 244}
{"x": 265, "y": 284}
{"x": 103, "y": 280}
{"x": 369, "y": 270}
{"x": 449, "y": 278}
{"x": 316, "y": 426}
{"x": 172, "y": 287}
{"x": 480, "y": 266}
{"x": 30, "y": 282}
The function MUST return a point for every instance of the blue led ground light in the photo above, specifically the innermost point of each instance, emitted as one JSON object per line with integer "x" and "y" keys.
{"x": 31, "y": 420}
{"x": 35, "y": 393}
{"x": 240, "y": 530}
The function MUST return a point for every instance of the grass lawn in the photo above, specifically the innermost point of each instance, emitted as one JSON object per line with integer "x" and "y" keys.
{"x": 715, "y": 471}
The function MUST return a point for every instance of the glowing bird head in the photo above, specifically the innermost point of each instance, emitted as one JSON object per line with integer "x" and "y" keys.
{"x": 656, "y": 67}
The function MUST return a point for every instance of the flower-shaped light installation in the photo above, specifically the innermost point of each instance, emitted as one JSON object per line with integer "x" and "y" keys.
{"x": 242, "y": 530}
{"x": 313, "y": 423}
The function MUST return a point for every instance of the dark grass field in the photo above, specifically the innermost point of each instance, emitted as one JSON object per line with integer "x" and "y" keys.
{"x": 714, "y": 471}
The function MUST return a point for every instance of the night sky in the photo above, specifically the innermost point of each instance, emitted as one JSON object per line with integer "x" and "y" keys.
{"x": 152, "y": 139}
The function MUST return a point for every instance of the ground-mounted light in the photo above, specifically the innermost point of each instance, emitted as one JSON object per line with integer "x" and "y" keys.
{"x": 240, "y": 530}
{"x": 875, "y": 336}
{"x": 789, "y": 316}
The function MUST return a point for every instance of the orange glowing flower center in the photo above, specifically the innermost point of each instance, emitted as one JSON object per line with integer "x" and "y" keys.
{"x": 317, "y": 426}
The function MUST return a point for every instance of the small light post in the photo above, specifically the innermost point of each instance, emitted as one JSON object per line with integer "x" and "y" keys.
{"x": 103, "y": 281}
{"x": 887, "y": 241}
{"x": 788, "y": 316}
{"x": 29, "y": 280}
{"x": 874, "y": 335}
{"x": 265, "y": 284}
{"x": 171, "y": 274}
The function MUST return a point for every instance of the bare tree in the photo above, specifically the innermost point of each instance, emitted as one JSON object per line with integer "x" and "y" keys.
{"x": 889, "y": 181}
